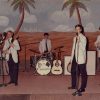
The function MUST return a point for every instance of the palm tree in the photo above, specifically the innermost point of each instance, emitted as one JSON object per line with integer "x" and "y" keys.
{"x": 21, "y": 5}
{"x": 75, "y": 5}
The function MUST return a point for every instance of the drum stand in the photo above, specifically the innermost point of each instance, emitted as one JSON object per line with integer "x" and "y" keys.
{"x": 25, "y": 45}
{"x": 35, "y": 62}
{"x": 3, "y": 78}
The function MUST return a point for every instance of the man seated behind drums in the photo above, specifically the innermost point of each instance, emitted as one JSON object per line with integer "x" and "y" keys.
{"x": 45, "y": 46}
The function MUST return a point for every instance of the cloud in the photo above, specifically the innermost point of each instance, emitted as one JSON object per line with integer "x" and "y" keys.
{"x": 59, "y": 16}
{"x": 90, "y": 27}
{"x": 30, "y": 18}
{"x": 4, "y": 21}
{"x": 62, "y": 28}
{"x": 9, "y": 28}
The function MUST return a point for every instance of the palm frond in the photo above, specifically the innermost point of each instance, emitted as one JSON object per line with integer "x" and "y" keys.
{"x": 15, "y": 2}
{"x": 26, "y": 8}
{"x": 8, "y": 0}
{"x": 71, "y": 11}
{"x": 30, "y": 3}
{"x": 67, "y": 3}
{"x": 21, "y": 3}
{"x": 81, "y": 5}
{"x": 84, "y": 0}
{"x": 15, "y": 7}
{"x": 21, "y": 7}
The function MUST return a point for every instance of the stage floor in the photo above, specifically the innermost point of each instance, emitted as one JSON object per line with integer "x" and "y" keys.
{"x": 36, "y": 84}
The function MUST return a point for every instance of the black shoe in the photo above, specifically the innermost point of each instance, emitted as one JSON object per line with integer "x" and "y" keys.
{"x": 71, "y": 88}
{"x": 10, "y": 82}
{"x": 81, "y": 90}
{"x": 16, "y": 84}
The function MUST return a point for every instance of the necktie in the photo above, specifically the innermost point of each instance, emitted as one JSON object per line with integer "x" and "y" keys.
{"x": 46, "y": 46}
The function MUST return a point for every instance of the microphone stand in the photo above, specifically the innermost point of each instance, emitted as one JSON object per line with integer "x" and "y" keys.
{"x": 77, "y": 93}
{"x": 3, "y": 79}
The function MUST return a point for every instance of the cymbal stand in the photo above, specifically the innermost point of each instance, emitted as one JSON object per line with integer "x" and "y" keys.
{"x": 59, "y": 53}
{"x": 25, "y": 59}
{"x": 35, "y": 62}
{"x": 25, "y": 45}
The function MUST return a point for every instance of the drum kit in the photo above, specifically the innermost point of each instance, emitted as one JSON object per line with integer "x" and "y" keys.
{"x": 42, "y": 64}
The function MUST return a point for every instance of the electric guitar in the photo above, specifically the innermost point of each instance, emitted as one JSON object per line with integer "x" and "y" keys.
{"x": 56, "y": 69}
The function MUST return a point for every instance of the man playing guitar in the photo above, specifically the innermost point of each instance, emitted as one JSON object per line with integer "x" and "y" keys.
{"x": 10, "y": 49}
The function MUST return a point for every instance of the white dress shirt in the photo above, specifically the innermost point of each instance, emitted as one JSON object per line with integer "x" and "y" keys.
{"x": 42, "y": 45}
{"x": 79, "y": 49}
{"x": 12, "y": 50}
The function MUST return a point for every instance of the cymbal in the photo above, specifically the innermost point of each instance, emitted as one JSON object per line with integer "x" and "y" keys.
{"x": 60, "y": 51}
{"x": 34, "y": 51}
{"x": 59, "y": 47}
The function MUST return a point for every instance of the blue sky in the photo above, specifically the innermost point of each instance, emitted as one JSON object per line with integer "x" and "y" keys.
{"x": 48, "y": 16}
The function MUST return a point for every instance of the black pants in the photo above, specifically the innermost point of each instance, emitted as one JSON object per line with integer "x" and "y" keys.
{"x": 98, "y": 64}
{"x": 13, "y": 70}
{"x": 78, "y": 69}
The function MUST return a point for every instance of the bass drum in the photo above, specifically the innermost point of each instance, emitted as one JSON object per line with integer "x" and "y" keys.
{"x": 43, "y": 66}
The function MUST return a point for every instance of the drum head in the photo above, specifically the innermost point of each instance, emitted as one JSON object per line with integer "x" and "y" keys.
{"x": 43, "y": 67}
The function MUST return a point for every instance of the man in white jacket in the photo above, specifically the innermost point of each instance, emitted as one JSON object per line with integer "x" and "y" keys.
{"x": 97, "y": 44}
{"x": 10, "y": 49}
{"x": 78, "y": 59}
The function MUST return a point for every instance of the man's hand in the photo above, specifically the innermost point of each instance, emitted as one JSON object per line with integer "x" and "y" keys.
{"x": 78, "y": 39}
{"x": 5, "y": 51}
{"x": 12, "y": 45}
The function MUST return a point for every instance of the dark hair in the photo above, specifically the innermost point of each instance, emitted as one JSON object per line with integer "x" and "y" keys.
{"x": 11, "y": 32}
{"x": 99, "y": 28}
{"x": 4, "y": 34}
{"x": 46, "y": 34}
{"x": 82, "y": 29}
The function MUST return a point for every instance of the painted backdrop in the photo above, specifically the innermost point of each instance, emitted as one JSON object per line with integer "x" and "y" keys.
{"x": 48, "y": 16}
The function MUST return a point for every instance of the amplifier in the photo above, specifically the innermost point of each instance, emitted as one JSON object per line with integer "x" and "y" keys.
{"x": 91, "y": 63}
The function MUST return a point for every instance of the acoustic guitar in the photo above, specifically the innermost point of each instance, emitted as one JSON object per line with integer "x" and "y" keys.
{"x": 56, "y": 69}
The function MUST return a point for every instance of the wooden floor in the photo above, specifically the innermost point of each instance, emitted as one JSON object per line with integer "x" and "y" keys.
{"x": 36, "y": 87}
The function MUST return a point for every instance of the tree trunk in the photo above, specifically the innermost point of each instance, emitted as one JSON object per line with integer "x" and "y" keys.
{"x": 78, "y": 15}
{"x": 21, "y": 21}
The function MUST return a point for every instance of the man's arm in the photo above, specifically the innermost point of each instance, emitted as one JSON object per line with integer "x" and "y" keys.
{"x": 15, "y": 45}
{"x": 82, "y": 42}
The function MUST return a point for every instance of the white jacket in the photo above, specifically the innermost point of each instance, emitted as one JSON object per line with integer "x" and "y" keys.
{"x": 42, "y": 45}
{"x": 12, "y": 50}
{"x": 80, "y": 51}
{"x": 97, "y": 44}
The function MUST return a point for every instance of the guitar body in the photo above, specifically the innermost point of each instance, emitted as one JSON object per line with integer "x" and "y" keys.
{"x": 56, "y": 69}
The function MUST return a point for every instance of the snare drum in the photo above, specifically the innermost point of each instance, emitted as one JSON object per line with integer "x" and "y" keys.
{"x": 43, "y": 66}
{"x": 49, "y": 55}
